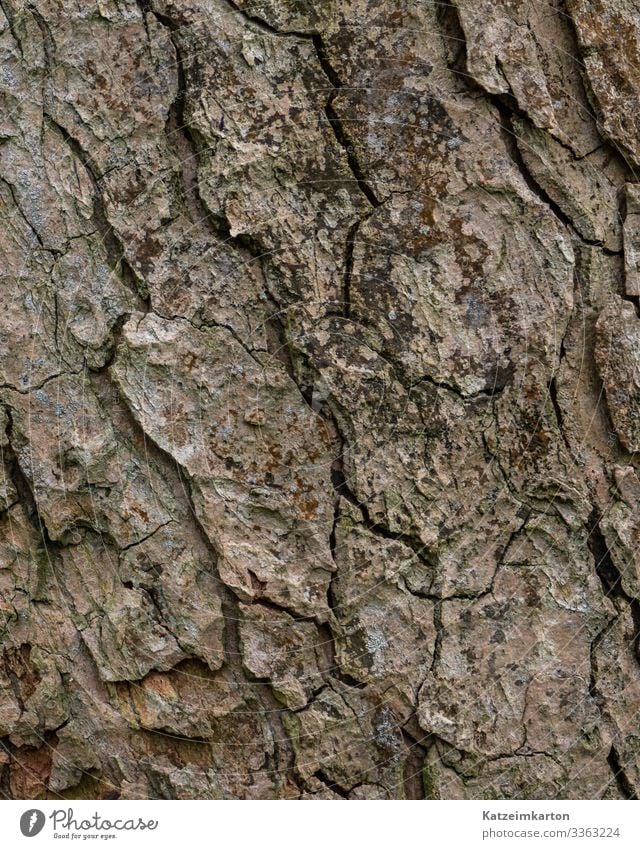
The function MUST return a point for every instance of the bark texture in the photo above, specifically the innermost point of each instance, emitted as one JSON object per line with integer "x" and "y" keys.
{"x": 320, "y": 399}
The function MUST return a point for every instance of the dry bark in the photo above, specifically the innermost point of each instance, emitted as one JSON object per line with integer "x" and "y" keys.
{"x": 320, "y": 399}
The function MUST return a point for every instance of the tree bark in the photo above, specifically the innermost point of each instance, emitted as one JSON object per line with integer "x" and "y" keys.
{"x": 320, "y": 399}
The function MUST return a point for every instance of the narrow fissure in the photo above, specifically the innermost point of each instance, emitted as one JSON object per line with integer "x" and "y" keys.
{"x": 113, "y": 246}
{"x": 620, "y": 777}
{"x": 507, "y": 106}
{"x": 330, "y": 785}
{"x": 610, "y": 576}
{"x": 412, "y": 781}
{"x": 23, "y": 487}
{"x": 341, "y": 486}
{"x": 348, "y": 269}
{"x": 336, "y": 124}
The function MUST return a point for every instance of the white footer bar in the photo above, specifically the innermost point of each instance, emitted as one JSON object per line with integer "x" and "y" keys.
{"x": 320, "y": 824}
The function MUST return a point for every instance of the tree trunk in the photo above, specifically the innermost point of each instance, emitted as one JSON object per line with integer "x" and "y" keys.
{"x": 320, "y": 399}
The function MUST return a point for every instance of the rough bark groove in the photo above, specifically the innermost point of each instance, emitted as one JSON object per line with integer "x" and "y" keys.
{"x": 319, "y": 399}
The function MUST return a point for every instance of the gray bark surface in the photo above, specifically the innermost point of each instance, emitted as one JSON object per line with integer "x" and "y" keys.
{"x": 319, "y": 399}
